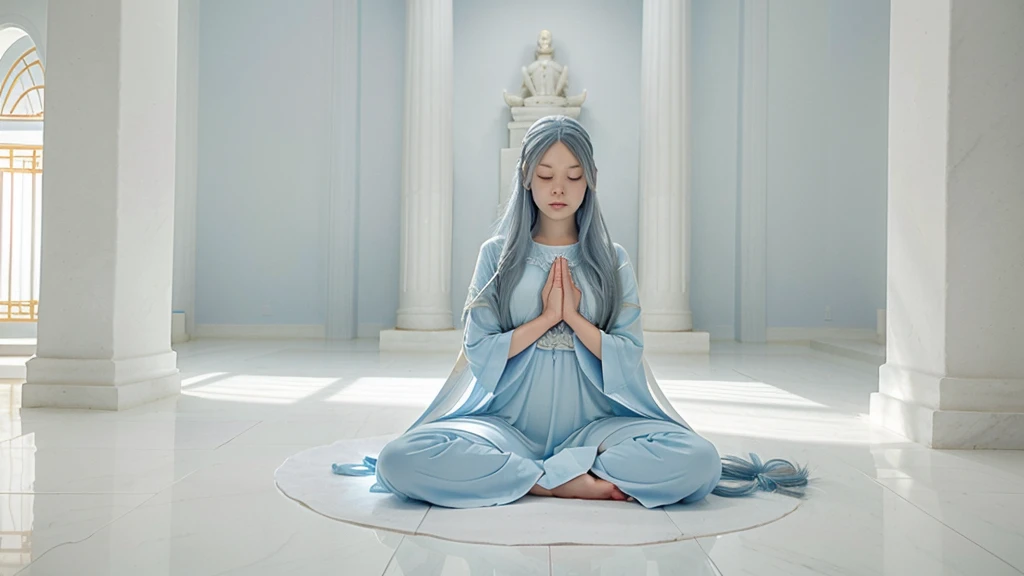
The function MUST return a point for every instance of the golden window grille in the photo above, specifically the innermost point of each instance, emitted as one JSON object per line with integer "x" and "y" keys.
{"x": 21, "y": 172}
{"x": 21, "y": 93}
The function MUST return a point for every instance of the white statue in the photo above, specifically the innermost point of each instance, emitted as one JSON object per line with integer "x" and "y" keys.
{"x": 545, "y": 81}
{"x": 543, "y": 94}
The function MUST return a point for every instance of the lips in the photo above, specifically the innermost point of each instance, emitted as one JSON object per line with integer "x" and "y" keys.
{"x": 557, "y": 205}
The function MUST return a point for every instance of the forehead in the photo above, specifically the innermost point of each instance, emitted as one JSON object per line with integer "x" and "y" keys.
{"x": 559, "y": 155}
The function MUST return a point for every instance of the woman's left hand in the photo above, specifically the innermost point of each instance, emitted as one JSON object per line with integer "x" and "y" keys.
{"x": 571, "y": 295}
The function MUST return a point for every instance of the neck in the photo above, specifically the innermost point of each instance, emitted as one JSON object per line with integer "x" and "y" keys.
{"x": 557, "y": 232}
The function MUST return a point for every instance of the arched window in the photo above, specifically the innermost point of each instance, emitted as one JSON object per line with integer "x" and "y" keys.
{"x": 21, "y": 172}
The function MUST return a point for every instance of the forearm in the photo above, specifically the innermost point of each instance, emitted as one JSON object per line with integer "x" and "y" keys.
{"x": 589, "y": 334}
{"x": 529, "y": 333}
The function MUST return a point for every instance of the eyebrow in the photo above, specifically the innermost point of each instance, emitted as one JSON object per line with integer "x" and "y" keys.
{"x": 570, "y": 167}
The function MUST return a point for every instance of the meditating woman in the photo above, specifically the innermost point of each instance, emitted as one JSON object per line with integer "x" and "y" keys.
{"x": 557, "y": 399}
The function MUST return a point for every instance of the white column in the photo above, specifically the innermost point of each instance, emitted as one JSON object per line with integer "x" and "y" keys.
{"x": 108, "y": 206}
{"x": 426, "y": 233}
{"x": 954, "y": 376}
{"x": 663, "y": 263}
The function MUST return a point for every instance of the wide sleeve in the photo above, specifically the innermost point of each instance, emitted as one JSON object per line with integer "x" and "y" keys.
{"x": 622, "y": 346}
{"x": 486, "y": 346}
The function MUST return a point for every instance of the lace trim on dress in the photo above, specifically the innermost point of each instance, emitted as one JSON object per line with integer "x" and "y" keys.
{"x": 545, "y": 260}
{"x": 559, "y": 337}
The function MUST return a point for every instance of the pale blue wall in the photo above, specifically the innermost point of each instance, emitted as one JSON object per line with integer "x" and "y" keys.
{"x": 827, "y": 161}
{"x": 714, "y": 78}
{"x": 827, "y": 150}
{"x": 382, "y": 97}
{"x": 264, "y": 175}
{"x": 858, "y": 158}
{"x": 264, "y": 161}
{"x": 799, "y": 216}
{"x": 599, "y": 40}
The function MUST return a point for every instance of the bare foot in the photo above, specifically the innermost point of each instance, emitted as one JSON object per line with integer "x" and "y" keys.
{"x": 586, "y": 487}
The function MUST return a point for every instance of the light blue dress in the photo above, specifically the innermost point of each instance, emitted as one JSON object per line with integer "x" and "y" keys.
{"x": 549, "y": 414}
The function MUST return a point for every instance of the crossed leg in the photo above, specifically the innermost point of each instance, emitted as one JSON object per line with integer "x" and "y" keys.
{"x": 484, "y": 461}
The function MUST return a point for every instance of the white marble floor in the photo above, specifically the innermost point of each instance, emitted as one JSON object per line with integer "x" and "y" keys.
{"x": 184, "y": 485}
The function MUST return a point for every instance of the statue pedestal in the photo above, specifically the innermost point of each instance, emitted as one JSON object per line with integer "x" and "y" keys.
{"x": 522, "y": 118}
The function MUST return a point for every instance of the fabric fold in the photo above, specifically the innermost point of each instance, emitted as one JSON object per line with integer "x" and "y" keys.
{"x": 566, "y": 465}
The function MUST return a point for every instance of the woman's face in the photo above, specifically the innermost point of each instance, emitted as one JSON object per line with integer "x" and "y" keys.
{"x": 558, "y": 184}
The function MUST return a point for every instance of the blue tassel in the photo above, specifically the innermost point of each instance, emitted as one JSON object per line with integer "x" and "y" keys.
{"x": 742, "y": 478}
{"x": 367, "y": 468}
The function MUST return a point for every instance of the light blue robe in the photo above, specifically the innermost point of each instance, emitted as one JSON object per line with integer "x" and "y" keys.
{"x": 549, "y": 414}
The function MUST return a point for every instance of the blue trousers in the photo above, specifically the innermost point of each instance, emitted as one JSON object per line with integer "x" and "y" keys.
{"x": 484, "y": 461}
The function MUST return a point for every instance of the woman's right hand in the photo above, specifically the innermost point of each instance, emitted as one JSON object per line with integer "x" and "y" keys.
{"x": 551, "y": 296}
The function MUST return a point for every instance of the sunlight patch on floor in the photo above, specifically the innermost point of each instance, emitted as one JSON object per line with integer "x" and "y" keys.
{"x": 260, "y": 389}
{"x": 389, "y": 391}
{"x": 734, "y": 392}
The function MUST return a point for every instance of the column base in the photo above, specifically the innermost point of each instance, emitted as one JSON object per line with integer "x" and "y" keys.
{"x": 100, "y": 384}
{"x": 677, "y": 342}
{"x": 949, "y": 429}
{"x": 398, "y": 340}
{"x": 657, "y": 320}
{"x": 425, "y": 320}
{"x": 950, "y": 393}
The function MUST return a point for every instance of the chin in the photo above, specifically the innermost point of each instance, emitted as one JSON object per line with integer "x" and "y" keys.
{"x": 560, "y": 215}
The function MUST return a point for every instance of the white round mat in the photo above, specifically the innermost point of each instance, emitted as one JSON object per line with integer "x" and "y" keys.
{"x": 532, "y": 521}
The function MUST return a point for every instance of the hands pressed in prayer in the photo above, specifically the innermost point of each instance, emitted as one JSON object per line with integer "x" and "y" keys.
{"x": 552, "y": 294}
{"x": 553, "y": 311}
{"x": 561, "y": 298}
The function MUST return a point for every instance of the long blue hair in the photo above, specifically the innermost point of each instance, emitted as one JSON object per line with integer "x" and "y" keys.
{"x": 598, "y": 261}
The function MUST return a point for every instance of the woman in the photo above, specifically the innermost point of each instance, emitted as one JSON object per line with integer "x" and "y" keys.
{"x": 557, "y": 400}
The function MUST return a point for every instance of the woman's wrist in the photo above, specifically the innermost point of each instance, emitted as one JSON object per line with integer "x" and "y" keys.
{"x": 588, "y": 334}
{"x": 574, "y": 319}
{"x": 549, "y": 319}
